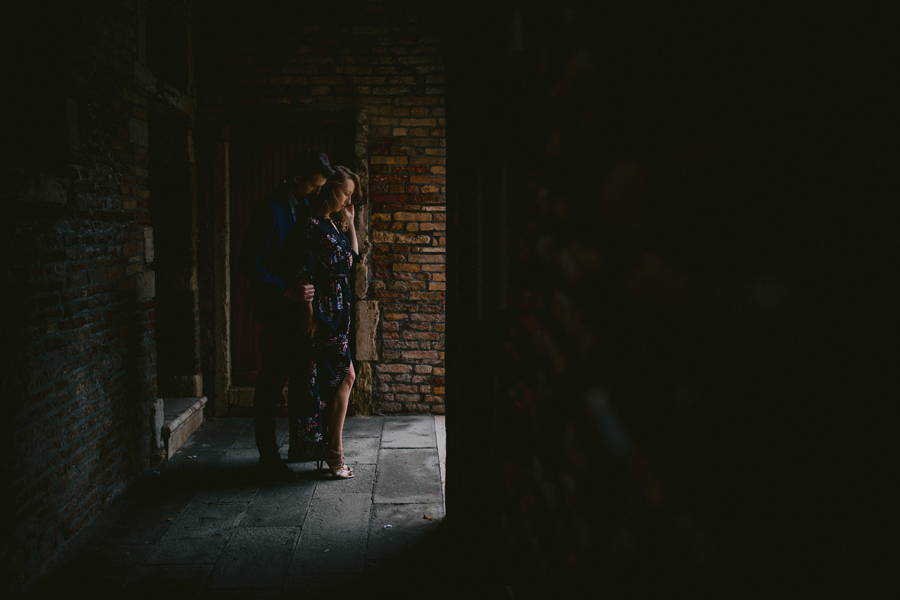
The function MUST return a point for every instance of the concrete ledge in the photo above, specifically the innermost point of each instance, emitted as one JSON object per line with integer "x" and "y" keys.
{"x": 182, "y": 417}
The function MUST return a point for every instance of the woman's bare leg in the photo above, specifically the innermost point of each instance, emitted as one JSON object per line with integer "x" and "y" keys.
{"x": 339, "y": 411}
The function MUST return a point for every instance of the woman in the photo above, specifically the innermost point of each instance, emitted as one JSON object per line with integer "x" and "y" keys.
{"x": 323, "y": 248}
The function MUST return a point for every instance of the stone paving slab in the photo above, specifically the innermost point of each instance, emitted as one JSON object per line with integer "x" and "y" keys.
{"x": 280, "y": 505}
{"x": 142, "y": 516}
{"x": 233, "y": 479}
{"x": 238, "y": 493}
{"x": 207, "y": 526}
{"x": 362, "y": 450}
{"x": 193, "y": 461}
{"x": 333, "y": 540}
{"x": 189, "y": 472}
{"x": 408, "y": 432}
{"x": 153, "y": 491}
{"x": 247, "y": 439}
{"x": 198, "y": 535}
{"x": 240, "y": 457}
{"x": 408, "y": 527}
{"x": 356, "y": 427}
{"x": 408, "y": 476}
{"x": 362, "y": 482}
{"x": 221, "y": 433}
{"x": 255, "y": 557}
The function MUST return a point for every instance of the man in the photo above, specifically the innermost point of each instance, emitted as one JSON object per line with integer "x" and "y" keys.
{"x": 280, "y": 343}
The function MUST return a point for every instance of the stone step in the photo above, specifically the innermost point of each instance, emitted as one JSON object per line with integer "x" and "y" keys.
{"x": 182, "y": 416}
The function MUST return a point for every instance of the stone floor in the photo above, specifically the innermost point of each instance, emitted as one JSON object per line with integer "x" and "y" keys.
{"x": 204, "y": 526}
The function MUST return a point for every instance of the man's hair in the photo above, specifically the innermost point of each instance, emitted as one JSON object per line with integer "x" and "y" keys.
{"x": 309, "y": 163}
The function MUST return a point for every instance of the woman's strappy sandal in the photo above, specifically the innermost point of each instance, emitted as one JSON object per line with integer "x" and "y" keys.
{"x": 335, "y": 463}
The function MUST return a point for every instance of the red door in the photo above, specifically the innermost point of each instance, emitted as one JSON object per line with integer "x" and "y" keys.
{"x": 259, "y": 161}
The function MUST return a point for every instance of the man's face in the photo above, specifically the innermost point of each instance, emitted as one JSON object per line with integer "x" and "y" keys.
{"x": 309, "y": 187}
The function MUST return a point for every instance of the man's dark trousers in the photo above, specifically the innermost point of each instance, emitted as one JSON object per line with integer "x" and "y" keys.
{"x": 284, "y": 353}
{"x": 281, "y": 345}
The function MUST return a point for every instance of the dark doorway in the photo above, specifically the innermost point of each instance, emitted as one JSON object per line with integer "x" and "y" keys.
{"x": 173, "y": 215}
{"x": 259, "y": 161}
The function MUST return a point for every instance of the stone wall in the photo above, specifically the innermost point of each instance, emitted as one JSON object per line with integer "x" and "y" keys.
{"x": 382, "y": 65}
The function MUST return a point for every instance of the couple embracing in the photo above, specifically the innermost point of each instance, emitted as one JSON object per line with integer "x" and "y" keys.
{"x": 297, "y": 253}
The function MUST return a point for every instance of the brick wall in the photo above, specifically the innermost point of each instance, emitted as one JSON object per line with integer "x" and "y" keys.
{"x": 78, "y": 366}
{"x": 381, "y": 64}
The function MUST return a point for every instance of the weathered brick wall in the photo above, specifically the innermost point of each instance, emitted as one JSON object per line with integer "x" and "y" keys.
{"x": 78, "y": 366}
{"x": 382, "y": 64}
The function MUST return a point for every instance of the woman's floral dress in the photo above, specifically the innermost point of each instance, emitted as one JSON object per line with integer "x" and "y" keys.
{"x": 317, "y": 249}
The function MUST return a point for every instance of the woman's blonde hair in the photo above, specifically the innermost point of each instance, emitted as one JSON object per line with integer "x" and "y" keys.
{"x": 331, "y": 203}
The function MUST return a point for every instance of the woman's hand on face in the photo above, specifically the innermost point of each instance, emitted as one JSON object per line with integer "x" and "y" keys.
{"x": 350, "y": 211}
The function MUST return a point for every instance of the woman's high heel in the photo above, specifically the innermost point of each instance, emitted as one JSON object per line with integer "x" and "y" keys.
{"x": 335, "y": 462}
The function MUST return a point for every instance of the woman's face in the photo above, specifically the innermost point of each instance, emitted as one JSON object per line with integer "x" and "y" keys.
{"x": 344, "y": 193}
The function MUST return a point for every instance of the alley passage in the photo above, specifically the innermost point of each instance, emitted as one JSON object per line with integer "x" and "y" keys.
{"x": 205, "y": 526}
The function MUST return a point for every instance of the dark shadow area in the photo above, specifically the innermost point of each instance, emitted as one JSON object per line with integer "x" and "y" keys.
{"x": 667, "y": 346}
{"x": 452, "y": 562}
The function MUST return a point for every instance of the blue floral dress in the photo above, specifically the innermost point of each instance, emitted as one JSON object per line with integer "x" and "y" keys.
{"x": 318, "y": 250}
